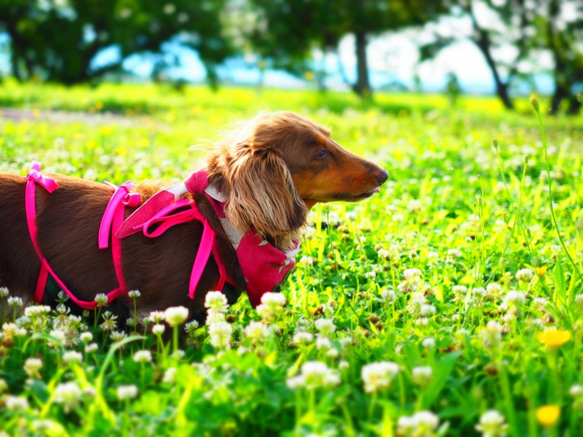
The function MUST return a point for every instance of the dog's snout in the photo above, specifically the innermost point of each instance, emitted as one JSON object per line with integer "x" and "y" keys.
{"x": 382, "y": 176}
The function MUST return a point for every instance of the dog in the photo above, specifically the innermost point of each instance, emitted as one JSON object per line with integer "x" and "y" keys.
{"x": 255, "y": 190}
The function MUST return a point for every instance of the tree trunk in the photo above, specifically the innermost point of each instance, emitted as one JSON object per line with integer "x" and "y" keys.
{"x": 574, "y": 105}
{"x": 558, "y": 96}
{"x": 485, "y": 46}
{"x": 362, "y": 85}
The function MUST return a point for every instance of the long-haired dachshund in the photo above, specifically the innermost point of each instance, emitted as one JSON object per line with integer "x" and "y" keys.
{"x": 254, "y": 194}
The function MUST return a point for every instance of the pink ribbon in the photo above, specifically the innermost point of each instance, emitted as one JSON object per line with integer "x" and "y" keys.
{"x": 120, "y": 199}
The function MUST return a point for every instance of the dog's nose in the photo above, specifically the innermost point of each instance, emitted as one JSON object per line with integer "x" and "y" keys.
{"x": 382, "y": 176}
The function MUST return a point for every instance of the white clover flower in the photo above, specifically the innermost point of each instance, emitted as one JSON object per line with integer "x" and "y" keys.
{"x": 158, "y": 329}
{"x": 492, "y": 424}
{"x": 71, "y": 357}
{"x": 47, "y": 427}
{"x": 406, "y": 426}
{"x": 275, "y": 299}
{"x": 220, "y": 334}
{"x": 175, "y": 316}
{"x": 494, "y": 289}
{"x": 454, "y": 253}
{"x": 426, "y": 422}
{"x": 126, "y": 392}
{"x": 412, "y": 274}
{"x": 86, "y": 337}
{"x": 15, "y": 301}
{"x": 513, "y": 301}
{"x": 9, "y": 329}
{"x": 216, "y": 301}
{"x": 191, "y": 326}
{"x": 271, "y": 306}
{"x": 346, "y": 341}
{"x": 524, "y": 275}
{"x": 178, "y": 354}
{"x": 343, "y": 365}
{"x": 416, "y": 303}
{"x": 15, "y": 403}
{"x": 388, "y": 295}
{"x": 303, "y": 337}
{"x": 169, "y": 375}
{"x": 91, "y": 347}
{"x": 32, "y": 367}
{"x": 428, "y": 343}
{"x": 306, "y": 261}
{"x": 323, "y": 343}
{"x": 215, "y": 317}
{"x": 492, "y": 334}
{"x": 156, "y": 316}
{"x": 459, "y": 292}
{"x": 134, "y": 294}
{"x": 101, "y": 299}
{"x": 4, "y": 292}
{"x": 117, "y": 335}
{"x": 479, "y": 293}
{"x": 69, "y": 395}
{"x": 37, "y": 310}
{"x": 540, "y": 302}
{"x": 143, "y": 356}
{"x": 370, "y": 275}
{"x": 313, "y": 375}
{"x": 59, "y": 335}
{"x": 432, "y": 256}
{"x": 325, "y": 326}
{"x": 576, "y": 391}
{"x": 332, "y": 353}
{"x": 421, "y": 424}
{"x": 422, "y": 375}
{"x": 257, "y": 331}
{"x": 378, "y": 376}
{"x": 427, "y": 310}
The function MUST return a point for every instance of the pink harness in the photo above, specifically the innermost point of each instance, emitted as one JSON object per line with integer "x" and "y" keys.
{"x": 263, "y": 266}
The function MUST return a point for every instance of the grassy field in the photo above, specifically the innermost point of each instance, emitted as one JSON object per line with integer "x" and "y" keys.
{"x": 449, "y": 304}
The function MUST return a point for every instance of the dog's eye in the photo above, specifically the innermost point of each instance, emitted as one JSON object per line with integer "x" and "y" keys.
{"x": 322, "y": 153}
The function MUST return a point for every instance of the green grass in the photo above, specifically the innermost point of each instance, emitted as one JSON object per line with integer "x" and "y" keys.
{"x": 465, "y": 214}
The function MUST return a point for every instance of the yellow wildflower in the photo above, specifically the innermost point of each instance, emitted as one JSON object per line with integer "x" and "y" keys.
{"x": 554, "y": 338}
{"x": 548, "y": 415}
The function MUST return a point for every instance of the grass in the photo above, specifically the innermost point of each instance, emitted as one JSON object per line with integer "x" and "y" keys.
{"x": 462, "y": 273}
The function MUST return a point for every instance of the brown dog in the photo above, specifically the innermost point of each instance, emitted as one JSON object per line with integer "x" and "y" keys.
{"x": 269, "y": 172}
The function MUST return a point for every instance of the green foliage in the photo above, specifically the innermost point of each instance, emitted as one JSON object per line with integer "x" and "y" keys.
{"x": 290, "y": 29}
{"x": 58, "y": 41}
{"x": 430, "y": 273}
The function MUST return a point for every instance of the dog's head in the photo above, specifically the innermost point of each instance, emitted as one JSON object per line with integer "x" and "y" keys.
{"x": 274, "y": 168}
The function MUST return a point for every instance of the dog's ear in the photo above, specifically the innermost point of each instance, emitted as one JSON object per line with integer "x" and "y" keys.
{"x": 262, "y": 195}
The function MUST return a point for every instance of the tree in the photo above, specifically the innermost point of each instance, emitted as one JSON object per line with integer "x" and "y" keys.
{"x": 525, "y": 29}
{"x": 497, "y": 27}
{"x": 564, "y": 33}
{"x": 59, "y": 40}
{"x": 288, "y": 30}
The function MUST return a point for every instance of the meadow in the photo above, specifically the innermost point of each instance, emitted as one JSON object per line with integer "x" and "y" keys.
{"x": 449, "y": 304}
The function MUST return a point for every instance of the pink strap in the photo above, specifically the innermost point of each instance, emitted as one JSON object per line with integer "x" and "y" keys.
{"x": 112, "y": 219}
{"x": 35, "y": 177}
{"x": 183, "y": 211}
{"x": 121, "y": 197}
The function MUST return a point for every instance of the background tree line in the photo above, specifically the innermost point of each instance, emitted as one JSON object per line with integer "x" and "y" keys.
{"x": 59, "y": 40}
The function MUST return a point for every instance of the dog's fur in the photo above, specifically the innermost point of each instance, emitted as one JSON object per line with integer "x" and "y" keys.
{"x": 272, "y": 169}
